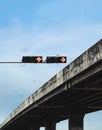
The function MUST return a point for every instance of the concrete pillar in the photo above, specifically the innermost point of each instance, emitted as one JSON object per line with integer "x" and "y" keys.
{"x": 35, "y": 128}
{"x": 76, "y": 121}
{"x": 50, "y": 125}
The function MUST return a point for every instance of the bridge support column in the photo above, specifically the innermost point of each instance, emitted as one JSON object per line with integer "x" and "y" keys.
{"x": 76, "y": 121}
{"x": 50, "y": 125}
{"x": 35, "y": 128}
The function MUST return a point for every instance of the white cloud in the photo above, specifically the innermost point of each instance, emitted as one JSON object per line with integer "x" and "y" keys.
{"x": 53, "y": 38}
{"x": 62, "y": 125}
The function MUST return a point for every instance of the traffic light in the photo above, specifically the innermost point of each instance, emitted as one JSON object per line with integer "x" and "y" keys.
{"x": 32, "y": 59}
{"x": 56, "y": 59}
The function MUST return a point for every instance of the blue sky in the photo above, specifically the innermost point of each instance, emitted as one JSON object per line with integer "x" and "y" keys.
{"x": 43, "y": 27}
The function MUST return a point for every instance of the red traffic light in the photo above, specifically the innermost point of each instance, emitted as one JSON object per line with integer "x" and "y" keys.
{"x": 56, "y": 59}
{"x": 32, "y": 59}
{"x": 39, "y": 59}
{"x": 63, "y": 59}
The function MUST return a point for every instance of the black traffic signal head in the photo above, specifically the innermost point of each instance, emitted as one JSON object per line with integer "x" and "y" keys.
{"x": 56, "y": 59}
{"x": 32, "y": 59}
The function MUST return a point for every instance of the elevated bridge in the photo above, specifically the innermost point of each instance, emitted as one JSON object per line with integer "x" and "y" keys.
{"x": 73, "y": 92}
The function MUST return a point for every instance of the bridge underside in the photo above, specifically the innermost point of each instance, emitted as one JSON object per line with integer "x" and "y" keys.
{"x": 81, "y": 95}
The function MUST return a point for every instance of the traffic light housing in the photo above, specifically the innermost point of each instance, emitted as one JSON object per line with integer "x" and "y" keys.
{"x": 32, "y": 59}
{"x": 56, "y": 59}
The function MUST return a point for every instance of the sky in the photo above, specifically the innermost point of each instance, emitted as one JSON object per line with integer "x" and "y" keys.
{"x": 46, "y": 28}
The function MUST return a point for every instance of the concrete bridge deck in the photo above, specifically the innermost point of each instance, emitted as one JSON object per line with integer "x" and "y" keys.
{"x": 70, "y": 94}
